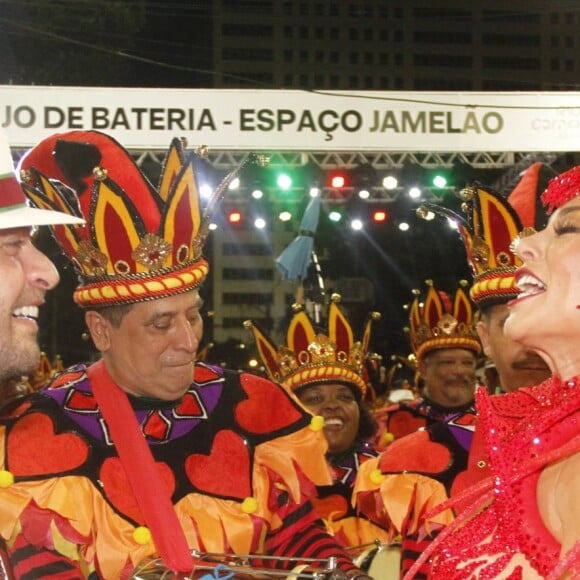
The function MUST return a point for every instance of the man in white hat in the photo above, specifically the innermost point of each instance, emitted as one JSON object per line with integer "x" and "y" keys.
{"x": 26, "y": 273}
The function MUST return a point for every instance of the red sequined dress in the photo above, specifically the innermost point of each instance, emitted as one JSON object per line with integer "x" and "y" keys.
{"x": 501, "y": 533}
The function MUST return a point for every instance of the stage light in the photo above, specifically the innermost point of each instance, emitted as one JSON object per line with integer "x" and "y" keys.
{"x": 257, "y": 194}
{"x": 356, "y": 224}
{"x": 234, "y": 184}
{"x": 414, "y": 193}
{"x": 259, "y": 223}
{"x": 439, "y": 181}
{"x": 337, "y": 181}
{"x": 334, "y": 216}
{"x": 314, "y": 191}
{"x": 205, "y": 191}
{"x": 234, "y": 217}
{"x": 390, "y": 182}
{"x": 380, "y": 216}
{"x": 285, "y": 216}
{"x": 404, "y": 226}
{"x": 284, "y": 181}
{"x": 364, "y": 194}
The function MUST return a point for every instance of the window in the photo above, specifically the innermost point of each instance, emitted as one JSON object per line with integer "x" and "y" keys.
{"x": 248, "y": 273}
{"x": 234, "y": 249}
{"x": 248, "y": 298}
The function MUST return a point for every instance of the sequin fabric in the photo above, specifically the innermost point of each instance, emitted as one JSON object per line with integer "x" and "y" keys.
{"x": 525, "y": 431}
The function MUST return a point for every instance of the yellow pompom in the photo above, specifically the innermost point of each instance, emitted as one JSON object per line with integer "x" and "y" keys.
{"x": 387, "y": 437}
{"x": 317, "y": 423}
{"x": 6, "y": 478}
{"x": 249, "y": 505}
{"x": 376, "y": 476}
{"x": 142, "y": 535}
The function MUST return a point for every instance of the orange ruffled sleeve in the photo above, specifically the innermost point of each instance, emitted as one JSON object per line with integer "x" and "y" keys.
{"x": 398, "y": 502}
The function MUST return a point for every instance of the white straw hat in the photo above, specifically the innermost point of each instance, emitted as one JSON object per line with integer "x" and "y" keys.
{"x": 14, "y": 209}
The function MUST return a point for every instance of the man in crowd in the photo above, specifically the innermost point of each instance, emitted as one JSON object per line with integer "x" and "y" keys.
{"x": 432, "y": 465}
{"x": 445, "y": 345}
{"x": 148, "y": 454}
{"x": 26, "y": 273}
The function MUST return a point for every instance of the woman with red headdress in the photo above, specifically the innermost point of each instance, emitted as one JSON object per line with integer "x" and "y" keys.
{"x": 523, "y": 521}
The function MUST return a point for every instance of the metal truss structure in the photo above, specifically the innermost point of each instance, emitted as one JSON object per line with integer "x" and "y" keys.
{"x": 510, "y": 164}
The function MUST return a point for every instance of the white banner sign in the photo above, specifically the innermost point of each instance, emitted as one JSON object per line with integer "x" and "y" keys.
{"x": 298, "y": 120}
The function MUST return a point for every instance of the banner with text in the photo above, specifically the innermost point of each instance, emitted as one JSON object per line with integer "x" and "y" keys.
{"x": 298, "y": 120}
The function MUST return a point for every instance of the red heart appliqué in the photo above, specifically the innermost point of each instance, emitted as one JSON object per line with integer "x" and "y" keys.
{"x": 225, "y": 471}
{"x": 35, "y": 449}
{"x": 268, "y": 408}
{"x": 416, "y": 452}
{"x": 118, "y": 489}
{"x": 402, "y": 423}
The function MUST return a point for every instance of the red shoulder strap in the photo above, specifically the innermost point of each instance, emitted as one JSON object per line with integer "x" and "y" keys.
{"x": 149, "y": 489}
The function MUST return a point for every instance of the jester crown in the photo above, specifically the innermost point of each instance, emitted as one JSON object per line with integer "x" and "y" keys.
{"x": 435, "y": 323}
{"x": 140, "y": 243}
{"x": 488, "y": 228}
{"x": 314, "y": 358}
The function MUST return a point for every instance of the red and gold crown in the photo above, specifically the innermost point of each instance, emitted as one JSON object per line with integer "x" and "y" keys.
{"x": 489, "y": 226}
{"x": 309, "y": 357}
{"x": 492, "y": 225}
{"x": 140, "y": 243}
{"x": 434, "y": 322}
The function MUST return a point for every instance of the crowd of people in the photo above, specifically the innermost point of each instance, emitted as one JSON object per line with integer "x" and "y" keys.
{"x": 150, "y": 458}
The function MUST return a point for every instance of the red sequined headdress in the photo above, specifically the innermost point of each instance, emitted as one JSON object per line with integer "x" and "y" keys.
{"x": 309, "y": 357}
{"x": 435, "y": 322}
{"x": 140, "y": 243}
{"x": 562, "y": 189}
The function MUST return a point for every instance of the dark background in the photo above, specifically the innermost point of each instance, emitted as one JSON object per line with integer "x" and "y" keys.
{"x": 169, "y": 44}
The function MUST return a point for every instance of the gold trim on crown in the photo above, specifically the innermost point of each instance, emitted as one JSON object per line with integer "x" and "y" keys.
{"x": 435, "y": 322}
{"x": 309, "y": 357}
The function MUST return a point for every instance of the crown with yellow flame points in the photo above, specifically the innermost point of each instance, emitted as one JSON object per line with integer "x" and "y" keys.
{"x": 309, "y": 357}
{"x": 489, "y": 225}
{"x": 435, "y": 322}
{"x": 140, "y": 242}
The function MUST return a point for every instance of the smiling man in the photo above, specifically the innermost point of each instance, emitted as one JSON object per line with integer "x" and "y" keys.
{"x": 26, "y": 273}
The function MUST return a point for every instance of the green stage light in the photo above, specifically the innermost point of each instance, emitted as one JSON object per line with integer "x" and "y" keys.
{"x": 284, "y": 181}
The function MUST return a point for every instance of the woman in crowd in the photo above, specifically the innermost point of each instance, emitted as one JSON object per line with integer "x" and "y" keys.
{"x": 524, "y": 520}
{"x": 326, "y": 373}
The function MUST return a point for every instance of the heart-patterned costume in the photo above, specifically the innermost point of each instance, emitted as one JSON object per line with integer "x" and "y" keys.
{"x": 412, "y": 476}
{"x": 232, "y": 451}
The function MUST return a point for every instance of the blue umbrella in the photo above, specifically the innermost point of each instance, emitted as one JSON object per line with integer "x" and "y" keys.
{"x": 294, "y": 261}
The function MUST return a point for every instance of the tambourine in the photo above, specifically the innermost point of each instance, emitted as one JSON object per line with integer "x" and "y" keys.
{"x": 218, "y": 566}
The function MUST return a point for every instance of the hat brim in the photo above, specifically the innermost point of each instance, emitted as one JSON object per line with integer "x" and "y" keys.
{"x": 24, "y": 216}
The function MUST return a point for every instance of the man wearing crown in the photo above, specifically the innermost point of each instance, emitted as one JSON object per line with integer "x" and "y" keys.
{"x": 445, "y": 346}
{"x": 128, "y": 464}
